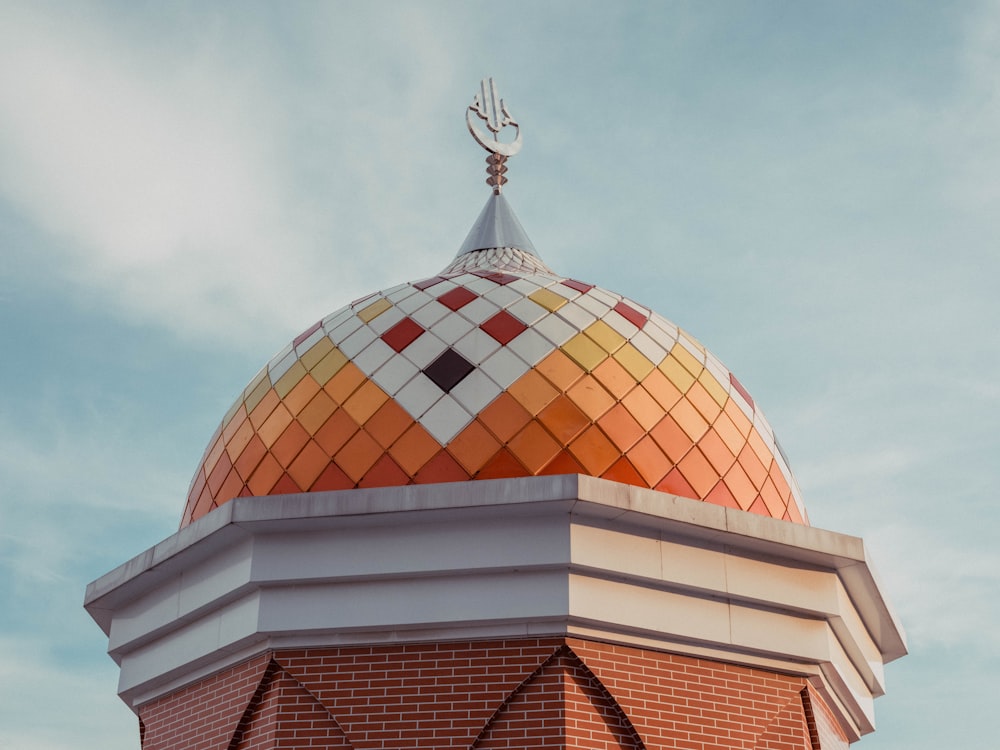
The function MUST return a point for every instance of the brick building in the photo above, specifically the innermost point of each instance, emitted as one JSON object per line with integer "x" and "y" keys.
{"x": 497, "y": 508}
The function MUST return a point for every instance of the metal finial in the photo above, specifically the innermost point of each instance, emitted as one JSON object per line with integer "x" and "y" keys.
{"x": 490, "y": 108}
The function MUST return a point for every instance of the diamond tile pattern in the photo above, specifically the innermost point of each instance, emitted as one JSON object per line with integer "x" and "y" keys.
{"x": 496, "y": 367}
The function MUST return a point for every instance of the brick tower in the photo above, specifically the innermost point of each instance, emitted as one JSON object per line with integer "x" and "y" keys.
{"x": 497, "y": 508}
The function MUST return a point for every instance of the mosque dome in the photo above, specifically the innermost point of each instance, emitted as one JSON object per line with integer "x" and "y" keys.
{"x": 496, "y": 367}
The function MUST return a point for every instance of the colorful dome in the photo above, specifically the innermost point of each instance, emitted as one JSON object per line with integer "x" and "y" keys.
{"x": 496, "y": 367}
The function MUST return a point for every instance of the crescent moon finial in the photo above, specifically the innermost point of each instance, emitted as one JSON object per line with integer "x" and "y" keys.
{"x": 490, "y": 108}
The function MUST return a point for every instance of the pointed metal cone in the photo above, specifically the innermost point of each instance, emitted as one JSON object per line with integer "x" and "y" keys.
{"x": 497, "y": 226}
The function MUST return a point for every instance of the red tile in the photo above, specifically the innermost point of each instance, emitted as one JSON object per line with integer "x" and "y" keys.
{"x": 741, "y": 390}
{"x": 759, "y": 508}
{"x": 503, "y": 465}
{"x": 720, "y": 495}
{"x": 441, "y": 468}
{"x": 285, "y": 486}
{"x": 623, "y": 471}
{"x": 307, "y": 333}
{"x": 630, "y": 314}
{"x": 577, "y": 285}
{"x": 457, "y": 298}
{"x": 496, "y": 277}
{"x": 385, "y": 473}
{"x": 332, "y": 478}
{"x": 675, "y": 483}
{"x": 427, "y": 283}
{"x": 404, "y": 333}
{"x": 563, "y": 463}
{"x": 504, "y": 327}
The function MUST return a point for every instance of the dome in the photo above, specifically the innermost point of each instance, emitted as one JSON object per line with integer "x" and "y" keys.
{"x": 496, "y": 367}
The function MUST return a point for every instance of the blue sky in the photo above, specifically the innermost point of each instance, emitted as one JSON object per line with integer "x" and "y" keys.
{"x": 809, "y": 188}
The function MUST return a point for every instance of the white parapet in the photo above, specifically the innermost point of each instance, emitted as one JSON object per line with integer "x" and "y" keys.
{"x": 562, "y": 555}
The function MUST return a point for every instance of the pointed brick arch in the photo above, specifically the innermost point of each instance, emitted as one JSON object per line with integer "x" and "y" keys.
{"x": 283, "y": 715}
{"x": 561, "y": 705}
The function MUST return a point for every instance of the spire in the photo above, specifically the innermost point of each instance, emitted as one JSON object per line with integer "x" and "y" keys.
{"x": 497, "y": 226}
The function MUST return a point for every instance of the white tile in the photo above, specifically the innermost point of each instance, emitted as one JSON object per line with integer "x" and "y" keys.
{"x": 764, "y": 429}
{"x": 555, "y": 329}
{"x": 593, "y": 305}
{"x": 479, "y": 285}
{"x": 636, "y": 306}
{"x": 527, "y": 311}
{"x": 523, "y": 286}
{"x": 394, "y": 374}
{"x": 620, "y": 324}
{"x": 718, "y": 371}
{"x": 443, "y": 286}
{"x": 609, "y": 298}
{"x": 531, "y": 346}
{"x": 418, "y": 395}
{"x": 357, "y": 341}
{"x": 479, "y": 310}
{"x": 664, "y": 325}
{"x": 398, "y": 292}
{"x": 649, "y": 348}
{"x": 504, "y": 367}
{"x": 345, "y": 329}
{"x": 465, "y": 279}
{"x": 425, "y": 349}
{"x": 476, "y": 345}
{"x": 688, "y": 344}
{"x": 476, "y": 391}
{"x": 387, "y": 320}
{"x": 283, "y": 365}
{"x": 337, "y": 317}
{"x": 747, "y": 410}
{"x": 503, "y": 296}
{"x": 280, "y": 355}
{"x": 430, "y": 314}
{"x": 373, "y": 356}
{"x": 310, "y": 341}
{"x": 414, "y": 302}
{"x": 452, "y": 327}
{"x": 576, "y": 315}
{"x": 445, "y": 419}
{"x": 563, "y": 291}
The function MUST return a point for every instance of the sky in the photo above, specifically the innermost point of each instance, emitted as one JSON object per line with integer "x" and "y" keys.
{"x": 809, "y": 188}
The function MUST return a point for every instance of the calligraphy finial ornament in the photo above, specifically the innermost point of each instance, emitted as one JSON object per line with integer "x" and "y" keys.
{"x": 490, "y": 108}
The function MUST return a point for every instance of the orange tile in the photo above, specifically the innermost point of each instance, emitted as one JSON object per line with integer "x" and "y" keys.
{"x": 336, "y": 431}
{"x": 780, "y": 483}
{"x": 196, "y": 487}
{"x": 268, "y": 472}
{"x": 230, "y": 488}
{"x": 702, "y": 400}
{"x": 203, "y": 505}
{"x": 671, "y": 438}
{"x": 793, "y": 513}
{"x": 285, "y": 486}
{"x": 358, "y": 455}
{"x": 229, "y": 428}
{"x": 675, "y": 483}
{"x": 214, "y": 454}
{"x": 253, "y": 398}
{"x": 643, "y": 407}
{"x": 623, "y": 471}
{"x": 772, "y": 499}
{"x": 649, "y": 461}
{"x": 621, "y": 427}
{"x": 591, "y": 397}
{"x": 720, "y": 495}
{"x": 287, "y": 447}
{"x": 502, "y": 465}
{"x": 388, "y": 423}
{"x": 473, "y": 446}
{"x": 753, "y": 467}
{"x": 594, "y": 451}
{"x": 344, "y": 383}
{"x": 532, "y": 391}
{"x": 332, "y": 478}
{"x": 689, "y": 419}
{"x": 665, "y": 392}
{"x": 687, "y": 359}
{"x": 740, "y": 486}
{"x": 504, "y": 417}
{"x": 289, "y": 380}
{"x": 239, "y": 439}
{"x": 756, "y": 442}
{"x": 316, "y": 412}
{"x": 365, "y": 401}
{"x": 533, "y": 447}
{"x": 309, "y": 464}
{"x": 759, "y": 508}
{"x": 250, "y": 457}
{"x": 413, "y": 449}
{"x": 614, "y": 377}
{"x": 698, "y": 472}
{"x": 275, "y": 425}
{"x": 563, "y": 463}
{"x": 729, "y": 434}
{"x": 714, "y": 388}
{"x": 441, "y": 468}
{"x": 740, "y": 420}
{"x": 385, "y": 473}
{"x": 264, "y": 408}
{"x": 716, "y": 452}
{"x": 560, "y": 370}
{"x": 218, "y": 474}
{"x": 301, "y": 394}
{"x": 563, "y": 419}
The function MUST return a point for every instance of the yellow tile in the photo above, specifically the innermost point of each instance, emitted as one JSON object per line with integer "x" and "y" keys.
{"x": 375, "y": 309}
{"x": 329, "y": 366}
{"x": 316, "y": 352}
{"x": 686, "y": 358}
{"x": 634, "y": 361}
{"x": 676, "y": 374}
{"x": 547, "y": 299}
{"x": 714, "y": 387}
{"x": 606, "y": 337}
{"x": 254, "y": 392}
{"x": 584, "y": 352}
{"x": 290, "y": 379}
{"x": 691, "y": 340}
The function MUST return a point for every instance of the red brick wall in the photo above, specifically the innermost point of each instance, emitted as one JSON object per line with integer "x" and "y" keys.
{"x": 490, "y": 695}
